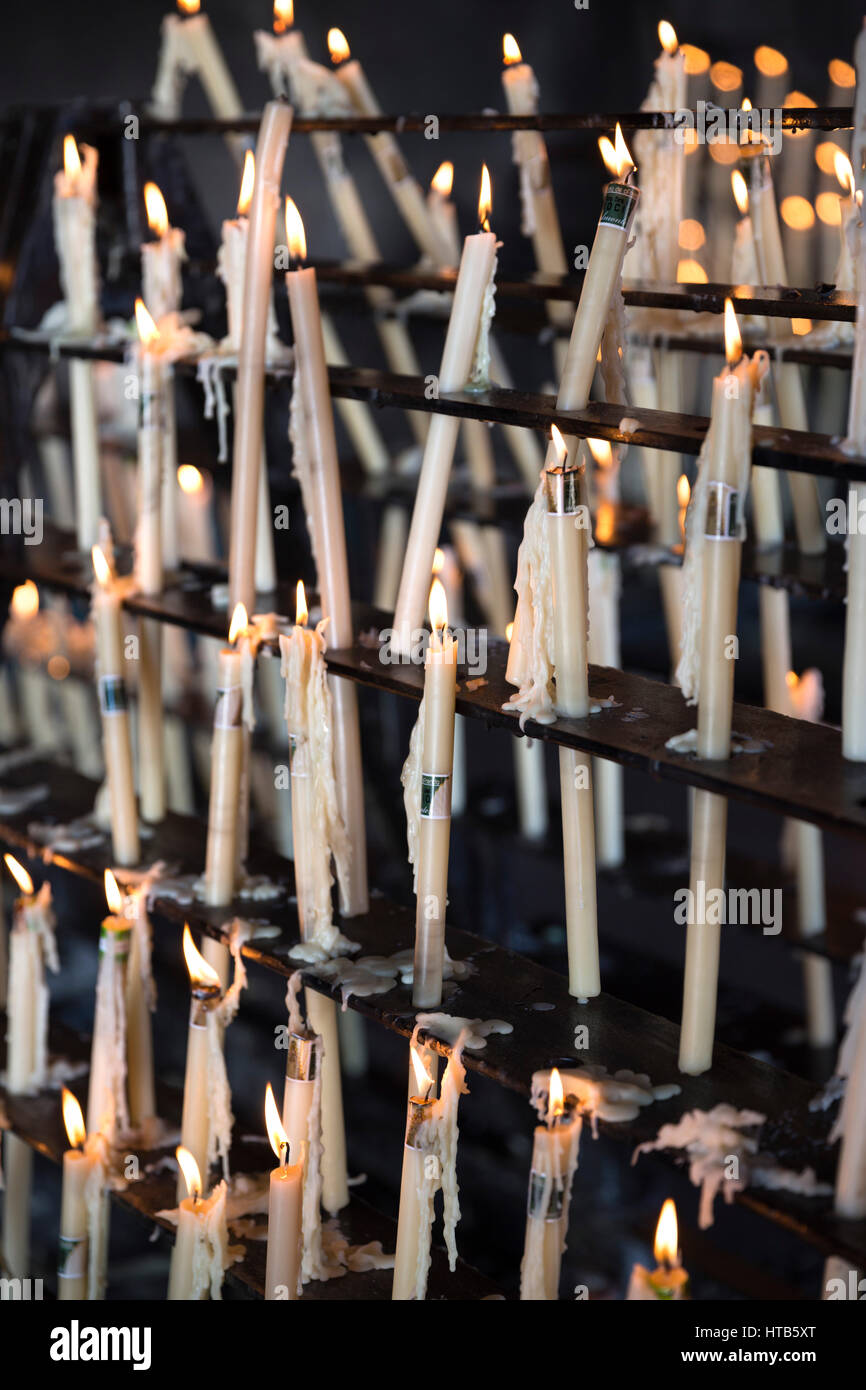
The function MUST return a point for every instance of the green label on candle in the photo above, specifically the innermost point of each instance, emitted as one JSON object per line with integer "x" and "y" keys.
{"x": 72, "y": 1257}
{"x": 112, "y": 695}
{"x": 114, "y": 942}
{"x": 435, "y": 795}
{"x": 620, "y": 200}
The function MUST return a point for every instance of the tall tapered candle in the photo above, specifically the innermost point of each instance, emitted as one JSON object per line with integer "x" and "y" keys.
{"x": 107, "y": 1105}
{"x": 221, "y": 859}
{"x": 140, "y": 1002}
{"x": 195, "y": 1125}
{"x": 77, "y": 1168}
{"x": 149, "y": 562}
{"x": 662, "y": 161}
{"x": 471, "y": 297}
{"x": 189, "y": 45}
{"x": 285, "y": 1200}
{"x": 554, "y": 1159}
{"x": 117, "y": 745}
{"x": 668, "y": 1281}
{"x": 162, "y": 292}
{"x": 250, "y": 397}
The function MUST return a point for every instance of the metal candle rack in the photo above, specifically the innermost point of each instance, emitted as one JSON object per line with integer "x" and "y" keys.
{"x": 800, "y": 772}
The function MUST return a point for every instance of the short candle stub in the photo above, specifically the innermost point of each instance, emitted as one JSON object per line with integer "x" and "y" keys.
{"x": 563, "y": 488}
{"x": 419, "y": 1111}
{"x": 302, "y": 1058}
{"x": 724, "y": 512}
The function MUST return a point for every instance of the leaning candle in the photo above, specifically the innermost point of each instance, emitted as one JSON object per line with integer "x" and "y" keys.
{"x": 107, "y": 1107}
{"x": 195, "y": 1126}
{"x": 668, "y": 1281}
{"x": 77, "y": 1168}
{"x": 75, "y": 237}
{"x": 662, "y": 160}
{"x": 116, "y": 740}
{"x": 221, "y": 861}
{"x": 149, "y": 563}
{"x": 554, "y": 1159}
{"x": 471, "y": 296}
{"x": 285, "y": 1200}
{"x": 250, "y": 397}
{"x": 442, "y": 210}
{"x": 189, "y": 45}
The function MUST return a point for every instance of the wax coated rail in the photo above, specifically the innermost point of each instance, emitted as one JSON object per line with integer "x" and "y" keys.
{"x": 38, "y": 1121}
{"x": 799, "y": 773}
{"x": 503, "y": 985}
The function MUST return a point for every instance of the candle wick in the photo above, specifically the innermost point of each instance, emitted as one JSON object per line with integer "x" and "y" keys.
{"x": 284, "y": 1153}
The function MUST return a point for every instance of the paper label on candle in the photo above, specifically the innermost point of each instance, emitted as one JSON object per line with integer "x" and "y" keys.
{"x": 72, "y": 1257}
{"x": 112, "y": 695}
{"x": 723, "y": 512}
{"x": 229, "y": 704}
{"x": 113, "y": 942}
{"x": 436, "y": 795}
{"x": 620, "y": 200}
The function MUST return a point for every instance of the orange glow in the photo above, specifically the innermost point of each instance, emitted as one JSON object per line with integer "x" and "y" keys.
{"x": 113, "y": 895}
{"x": 691, "y": 234}
{"x": 842, "y": 74}
{"x": 665, "y": 1245}
{"x": 338, "y": 46}
{"x": 438, "y": 560}
{"x": 25, "y": 600}
{"x": 20, "y": 875}
{"x": 733, "y": 338}
{"x": 423, "y": 1079}
{"x": 58, "y": 667}
{"x": 559, "y": 444}
{"x": 605, "y": 522}
{"x": 190, "y": 1170}
{"x": 200, "y": 973}
{"x": 697, "y": 59}
{"x": 800, "y": 327}
{"x": 601, "y": 452}
{"x": 510, "y": 50}
{"x": 147, "y": 329}
{"x": 555, "y": 1096}
{"x": 724, "y": 151}
{"x": 274, "y": 1126}
{"x": 684, "y": 492}
{"x": 73, "y": 1120}
{"x": 284, "y": 15}
{"x": 690, "y": 272}
{"x": 797, "y": 99}
{"x": 189, "y": 6}
{"x": 248, "y": 179}
{"x": 792, "y": 680}
{"x": 485, "y": 200}
{"x": 301, "y": 613}
{"x": 189, "y": 479}
{"x": 726, "y": 77}
{"x": 71, "y": 157}
{"x": 157, "y": 212}
{"x": 509, "y": 631}
{"x": 101, "y": 567}
{"x": 667, "y": 36}
{"x": 239, "y": 623}
{"x": 443, "y": 180}
{"x": 438, "y": 606}
{"x": 797, "y": 213}
{"x": 741, "y": 192}
{"x": 770, "y": 62}
{"x": 829, "y": 209}
{"x": 825, "y": 156}
{"x": 844, "y": 172}
{"x": 295, "y": 234}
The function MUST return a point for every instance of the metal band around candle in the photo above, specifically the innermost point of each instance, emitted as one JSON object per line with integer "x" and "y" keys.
{"x": 228, "y": 707}
{"x": 299, "y": 755}
{"x": 72, "y": 1257}
{"x": 302, "y": 1058}
{"x": 419, "y": 1111}
{"x": 114, "y": 941}
{"x": 617, "y": 210}
{"x": 112, "y": 695}
{"x": 546, "y": 1200}
{"x": 435, "y": 795}
{"x": 724, "y": 512}
{"x": 563, "y": 489}
{"x": 205, "y": 998}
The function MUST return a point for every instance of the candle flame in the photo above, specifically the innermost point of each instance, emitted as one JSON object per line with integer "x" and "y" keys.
{"x": 559, "y": 444}
{"x": 684, "y": 491}
{"x": 510, "y": 50}
{"x": 113, "y": 895}
{"x": 770, "y": 62}
{"x": 667, "y": 36}
{"x": 73, "y": 1120}
{"x": 741, "y": 191}
{"x": 601, "y": 452}
{"x": 555, "y": 1096}
{"x": 20, "y": 875}
{"x": 338, "y": 46}
{"x": 248, "y": 179}
{"x": 423, "y": 1079}
{"x": 71, "y": 157}
{"x": 301, "y": 611}
{"x": 667, "y": 1236}
{"x": 697, "y": 59}
{"x": 189, "y": 6}
{"x": 844, "y": 172}
{"x": 438, "y": 606}
{"x": 189, "y": 479}
{"x": 616, "y": 155}
{"x": 733, "y": 338}
{"x": 485, "y": 200}
{"x": 200, "y": 973}
{"x": 239, "y": 623}
{"x": 273, "y": 1124}
{"x": 25, "y": 600}
{"x": 438, "y": 560}
{"x": 443, "y": 180}
{"x": 509, "y": 631}
{"x": 842, "y": 74}
{"x": 690, "y": 272}
{"x": 147, "y": 329}
{"x": 284, "y": 15}
{"x": 295, "y": 234}
{"x": 157, "y": 212}
{"x": 190, "y": 1170}
{"x": 101, "y": 567}
{"x": 726, "y": 77}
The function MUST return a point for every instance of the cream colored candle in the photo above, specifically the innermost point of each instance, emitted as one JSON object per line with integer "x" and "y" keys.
{"x": 117, "y": 745}
{"x": 431, "y": 892}
{"x": 250, "y": 396}
{"x": 201, "y": 1248}
{"x": 195, "y": 518}
{"x": 668, "y": 1281}
{"x": 74, "y": 209}
{"x": 410, "y": 1250}
{"x": 77, "y": 1167}
{"x": 471, "y": 296}
{"x": 162, "y": 292}
{"x": 107, "y": 1106}
{"x": 554, "y": 1160}
{"x": 195, "y": 1123}
{"x": 662, "y": 160}
{"x": 140, "y": 1002}
{"x": 303, "y": 1062}
{"x": 285, "y": 1200}
{"x": 851, "y": 1122}
{"x": 854, "y": 664}
{"x": 442, "y": 211}
{"x": 189, "y": 45}
{"x": 226, "y": 764}
{"x": 531, "y": 781}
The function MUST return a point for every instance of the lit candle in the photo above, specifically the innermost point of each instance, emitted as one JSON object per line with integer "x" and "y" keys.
{"x": 227, "y": 748}
{"x": 107, "y": 1108}
{"x": 162, "y": 291}
{"x": 603, "y": 649}
{"x": 317, "y": 466}
{"x": 662, "y": 160}
{"x": 77, "y": 1168}
{"x": 554, "y": 1160}
{"x": 189, "y": 45}
{"x": 149, "y": 562}
{"x": 74, "y": 210}
{"x": 302, "y": 1121}
{"x": 466, "y": 328}
{"x": 117, "y": 746}
{"x": 668, "y": 1281}
{"x": 772, "y": 67}
{"x": 250, "y": 395}
{"x": 195, "y": 521}
{"x": 201, "y": 1250}
{"x": 285, "y": 1200}
{"x": 196, "y": 1127}
{"x": 714, "y": 533}
{"x": 443, "y": 213}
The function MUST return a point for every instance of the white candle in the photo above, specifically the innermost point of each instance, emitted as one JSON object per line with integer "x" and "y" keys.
{"x": 442, "y": 211}
{"x": 854, "y": 665}
{"x": 662, "y": 161}
{"x": 189, "y": 45}
{"x": 285, "y": 1200}
{"x": 117, "y": 745}
{"x": 200, "y": 1251}
{"x": 195, "y": 518}
{"x": 554, "y": 1160}
{"x": 196, "y": 1122}
{"x": 668, "y": 1281}
{"x": 302, "y": 1122}
{"x": 107, "y": 1106}
{"x": 162, "y": 291}
{"x": 221, "y": 862}
{"x": 140, "y": 1003}
{"x": 77, "y": 1168}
